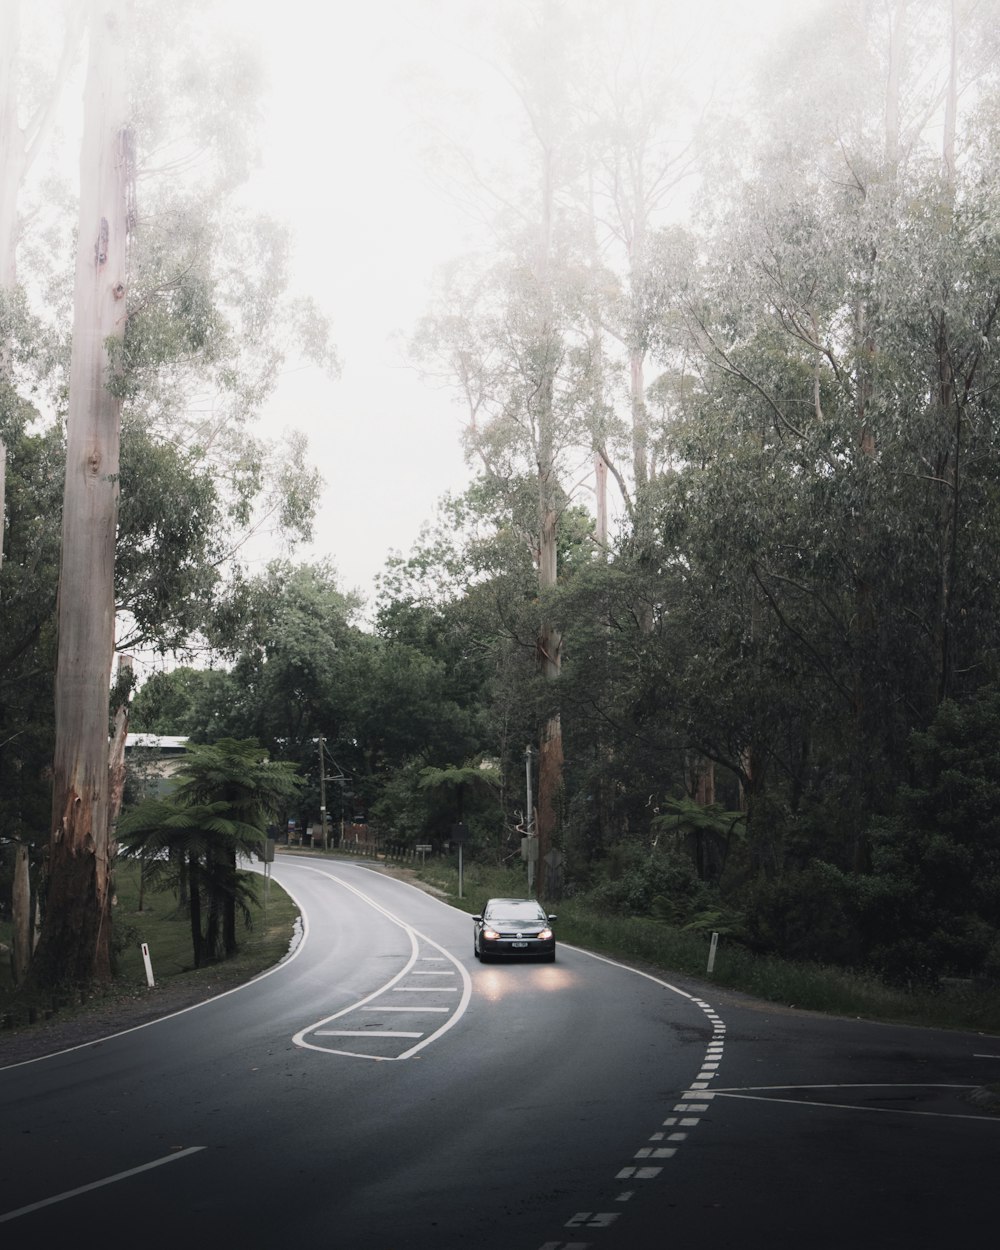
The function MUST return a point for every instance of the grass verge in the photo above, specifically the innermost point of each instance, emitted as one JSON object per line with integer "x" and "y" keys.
{"x": 165, "y": 930}
{"x": 835, "y": 991}
{"x": 814, "y": 987}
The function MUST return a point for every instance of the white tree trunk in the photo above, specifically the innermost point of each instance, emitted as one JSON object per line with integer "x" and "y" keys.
{"x": 75, "y": 942}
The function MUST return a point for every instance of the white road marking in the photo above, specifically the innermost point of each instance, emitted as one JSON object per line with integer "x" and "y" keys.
{"x": 415, "y": 937}
{"x": 424, "y": 989}
{"x": 592, "y": 1219}
{"x": 848, "y": 1106}
{"x": 708, "y": 1071}
{"x": 363, "y": 1033}
{"x": 108, "y": 1180}
{"x": 412, "y": 1011}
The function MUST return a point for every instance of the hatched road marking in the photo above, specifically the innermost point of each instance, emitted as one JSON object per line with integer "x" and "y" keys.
{"x": 384, "y": 1043}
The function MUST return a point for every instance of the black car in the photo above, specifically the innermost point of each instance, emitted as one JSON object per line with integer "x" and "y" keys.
{"x": 516, "y": 927}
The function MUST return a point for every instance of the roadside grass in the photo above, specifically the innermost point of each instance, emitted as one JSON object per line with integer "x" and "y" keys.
{"x": 813, "y": 987}
{"x": 165, "y": 929}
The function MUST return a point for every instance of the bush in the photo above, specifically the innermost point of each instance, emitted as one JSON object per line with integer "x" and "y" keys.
{"x": 661, "y": 882}
{"x": 811, "y": 914}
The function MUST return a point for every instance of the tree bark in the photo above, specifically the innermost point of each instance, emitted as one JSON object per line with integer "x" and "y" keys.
{"x": 75, "y": 944}
{"x": 21, "y": 914}
{"x": 549, "y": 644}
{"x": 897, "y": 36}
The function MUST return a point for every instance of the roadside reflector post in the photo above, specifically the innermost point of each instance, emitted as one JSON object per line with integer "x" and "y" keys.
{"x": 149, "y": 967}
{"x": 713, "y": 947}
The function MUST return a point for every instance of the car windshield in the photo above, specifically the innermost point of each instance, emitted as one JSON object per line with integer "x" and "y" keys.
{"x": 515, "y": 910}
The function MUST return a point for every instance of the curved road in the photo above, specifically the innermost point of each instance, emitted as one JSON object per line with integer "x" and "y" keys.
{"x": 380, "y": 1090}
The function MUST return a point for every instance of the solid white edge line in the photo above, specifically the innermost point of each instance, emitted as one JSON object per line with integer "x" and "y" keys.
{"x": 282, "y": 963}
{"x": 637, "y": 971}
{"x": 849, "y": 1106}
{"x": 108, "y": 1180}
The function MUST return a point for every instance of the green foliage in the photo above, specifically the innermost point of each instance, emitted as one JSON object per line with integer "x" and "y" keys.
{"x": 658, "y": 882}
{"x": 812, "y": 913}
{"x": 224, "y": 797}
{"x": 27, "y": 622}
{"x": 932, "y": 902}
{"x": 181, "y": 701}
{"x": 166, "y": 569}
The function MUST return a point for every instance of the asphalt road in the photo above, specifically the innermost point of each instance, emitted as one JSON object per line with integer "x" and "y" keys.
{"x": 380, "y": 1090}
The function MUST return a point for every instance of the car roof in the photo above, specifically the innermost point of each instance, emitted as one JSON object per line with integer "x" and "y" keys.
{"x": 490, "y": 902}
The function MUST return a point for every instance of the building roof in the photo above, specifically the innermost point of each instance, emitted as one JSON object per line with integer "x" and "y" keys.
{"x": 156, "y": 742}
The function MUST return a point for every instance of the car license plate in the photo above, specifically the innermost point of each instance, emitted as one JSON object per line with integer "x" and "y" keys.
{"x": 519, "y": 945}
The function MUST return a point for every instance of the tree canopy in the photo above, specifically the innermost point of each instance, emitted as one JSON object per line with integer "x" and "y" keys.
{"x": 726, "y": 575}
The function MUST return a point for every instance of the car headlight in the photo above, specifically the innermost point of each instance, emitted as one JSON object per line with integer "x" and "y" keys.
{"x": 490, "y": 935}
{"x": 545, "y": 935}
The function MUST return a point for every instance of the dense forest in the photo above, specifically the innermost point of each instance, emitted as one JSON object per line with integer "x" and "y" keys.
{"x": 726, "y": 581}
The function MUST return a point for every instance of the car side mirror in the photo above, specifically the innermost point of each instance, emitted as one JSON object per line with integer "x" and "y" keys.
{"x": 477, "y": 917}
{"x": 552, "y": 917}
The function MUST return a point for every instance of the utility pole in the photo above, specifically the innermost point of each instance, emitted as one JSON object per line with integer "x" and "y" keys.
{"x": 531, "y": 846}
{"x": 322, "y": 790}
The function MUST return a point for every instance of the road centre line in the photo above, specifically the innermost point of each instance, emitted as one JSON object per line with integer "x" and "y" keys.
{"x": 107, "y": 1180}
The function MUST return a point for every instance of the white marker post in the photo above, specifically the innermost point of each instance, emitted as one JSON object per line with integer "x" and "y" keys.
{"x": 149, "y": 966}
{"x": 714, "y": 946}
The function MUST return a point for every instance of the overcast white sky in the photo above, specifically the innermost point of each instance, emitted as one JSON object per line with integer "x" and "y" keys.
{"x": 342, "y": 165}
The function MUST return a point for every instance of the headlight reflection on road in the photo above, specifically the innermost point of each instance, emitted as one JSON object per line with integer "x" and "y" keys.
{"x": 494, "y": 984}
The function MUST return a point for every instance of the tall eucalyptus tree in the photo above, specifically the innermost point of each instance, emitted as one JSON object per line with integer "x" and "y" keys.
{"x": 75, "y": 944}
{"x": 514, "y": 340}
